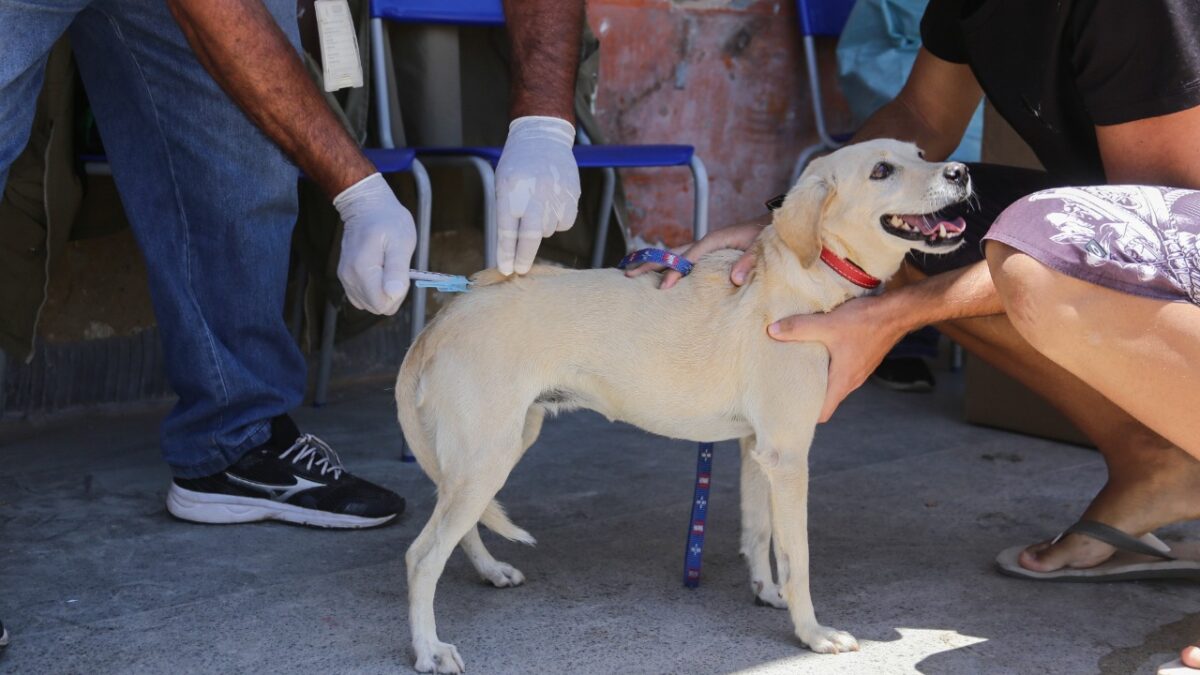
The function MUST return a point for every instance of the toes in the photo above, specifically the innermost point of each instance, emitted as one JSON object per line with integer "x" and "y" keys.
{"x": 1031, "y": 558}
{"x": 505, "y": 576}
{"x": 768, "y": 595}
{"x": 1074, "y": 550}
{"x": 1191, "y": 656}
{"x": 440, "y": 658}
{"x": 830, "y": 641}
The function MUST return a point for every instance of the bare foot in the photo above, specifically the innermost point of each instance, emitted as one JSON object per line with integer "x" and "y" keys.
{"x": 1160, "y": 488}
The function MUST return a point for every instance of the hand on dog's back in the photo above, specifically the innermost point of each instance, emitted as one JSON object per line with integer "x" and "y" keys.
{"x": 739, "y": 237}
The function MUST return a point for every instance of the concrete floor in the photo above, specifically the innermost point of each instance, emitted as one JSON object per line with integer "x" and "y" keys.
{"x": 909, "y": 505}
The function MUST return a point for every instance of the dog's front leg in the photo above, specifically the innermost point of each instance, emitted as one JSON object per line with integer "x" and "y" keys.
{"x": 756, "y": 530}
{"x": 786, "y": 467}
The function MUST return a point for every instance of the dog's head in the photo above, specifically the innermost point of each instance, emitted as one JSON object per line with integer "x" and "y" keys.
{"x": 873, "y": 202}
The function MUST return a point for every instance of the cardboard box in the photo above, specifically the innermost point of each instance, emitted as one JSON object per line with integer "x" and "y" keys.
{"x": 992, "y": 398}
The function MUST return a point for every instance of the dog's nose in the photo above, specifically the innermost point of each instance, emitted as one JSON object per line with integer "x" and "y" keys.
{"x": 956, "y": 172}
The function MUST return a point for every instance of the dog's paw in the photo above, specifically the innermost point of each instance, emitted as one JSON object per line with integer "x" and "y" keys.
{"x": 824, "y": 640}
{"x": 438, "y": 657}
{"x": 503, "y": 575}
{"x": 767, "y": 594}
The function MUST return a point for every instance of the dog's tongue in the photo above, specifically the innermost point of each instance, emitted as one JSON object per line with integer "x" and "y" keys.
{"x": 928, "y": 225}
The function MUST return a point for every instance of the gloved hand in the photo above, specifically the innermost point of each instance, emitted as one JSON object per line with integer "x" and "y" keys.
{"x": 537, "y": 188}
{"x": 377, "y": 245}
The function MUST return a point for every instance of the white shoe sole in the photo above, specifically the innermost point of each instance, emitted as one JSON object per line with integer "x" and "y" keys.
{"x": 212, "y": 508}
{"x": 4, "y": 638}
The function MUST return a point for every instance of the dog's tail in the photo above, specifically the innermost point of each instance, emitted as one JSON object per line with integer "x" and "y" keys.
{"x": 408, "y": 405}
{"x": 420, "y": 439}
{"x": 496, "y": 520}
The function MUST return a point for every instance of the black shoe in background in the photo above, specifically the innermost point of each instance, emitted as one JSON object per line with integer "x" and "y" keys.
{"x": 292, "y": 477}
{"x": 908, "y": 373}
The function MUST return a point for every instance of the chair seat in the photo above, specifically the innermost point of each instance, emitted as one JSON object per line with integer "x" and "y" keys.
{"x": 391, "y": 161}
{"x": 487, "y": 153}
{"x": 592, "y": 156}
{"x": 630, "y": 156}
{"x": 460, "y": 12}
{"x": 823, "y": 18}
{"x": 387, "y": 161}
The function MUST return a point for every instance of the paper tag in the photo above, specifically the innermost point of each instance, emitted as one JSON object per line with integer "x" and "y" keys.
{"x": 339, "y": 45}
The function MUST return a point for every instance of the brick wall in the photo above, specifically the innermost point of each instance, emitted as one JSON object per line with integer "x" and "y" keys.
{"x": 724, "y": 75}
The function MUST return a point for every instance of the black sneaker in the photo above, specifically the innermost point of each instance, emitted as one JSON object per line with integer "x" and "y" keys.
{"x": 293, "y": 477}
{"x": 3, "y": 636}
{"x": 909, "y": 374}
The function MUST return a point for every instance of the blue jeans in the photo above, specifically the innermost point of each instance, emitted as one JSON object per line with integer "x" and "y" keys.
{"x": 211, "y": 200}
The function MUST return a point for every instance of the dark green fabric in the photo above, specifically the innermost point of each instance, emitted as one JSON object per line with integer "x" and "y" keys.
{"x": 33, "y": 230}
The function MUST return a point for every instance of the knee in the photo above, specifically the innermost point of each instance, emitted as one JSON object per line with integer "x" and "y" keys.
{"x": 1032, "y": 300}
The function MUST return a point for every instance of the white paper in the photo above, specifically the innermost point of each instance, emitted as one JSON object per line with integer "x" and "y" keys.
{"x": 339, "y": 45}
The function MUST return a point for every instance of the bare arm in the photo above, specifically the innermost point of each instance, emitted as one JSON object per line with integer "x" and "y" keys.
{"x": 932, "y": 110}
{"x": 1153, "y": 151}
{"x": 240, "y": 45}
{"x": 544, "y": 36}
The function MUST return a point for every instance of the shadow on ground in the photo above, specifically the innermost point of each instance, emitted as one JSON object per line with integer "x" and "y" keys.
{"x": 909, "y": 505}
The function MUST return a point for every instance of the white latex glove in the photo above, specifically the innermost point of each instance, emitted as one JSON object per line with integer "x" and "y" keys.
{"x": 377, "y": 245}
{"x": 537, "y": 188}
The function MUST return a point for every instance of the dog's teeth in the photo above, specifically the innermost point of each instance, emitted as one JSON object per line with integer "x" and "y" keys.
{"x": 896, "y": 221}
{"x": 942, "y": 230}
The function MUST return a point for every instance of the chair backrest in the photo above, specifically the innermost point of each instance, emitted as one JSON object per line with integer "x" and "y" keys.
{"x": 823, "y": 18}
{"x": 469, "y": 12}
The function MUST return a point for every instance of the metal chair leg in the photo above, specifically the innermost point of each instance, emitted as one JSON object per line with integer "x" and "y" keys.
{"x": 700, "y": 217}
{"x": 814, "y": 84}
{"x": 383, "y": 113}
{"x": 487, "y": 179}
{"x": 802, "y": 161}
{"x": 328, "y": 327}
{"x": 424, "y": 205}
{"x": 3, "y": 380}
{"x": 604, "y": 217}
{"x": 296, "y": 311}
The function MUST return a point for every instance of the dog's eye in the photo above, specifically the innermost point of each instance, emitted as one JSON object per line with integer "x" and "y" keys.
{"x": 921, "y": 154}
{"x": 882, "y": 170}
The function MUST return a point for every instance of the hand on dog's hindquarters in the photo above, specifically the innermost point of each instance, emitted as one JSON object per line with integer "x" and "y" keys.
{"x": 856, "y": 338}
{"x": 537, "y": 189}
{"x": 740, "y": 237}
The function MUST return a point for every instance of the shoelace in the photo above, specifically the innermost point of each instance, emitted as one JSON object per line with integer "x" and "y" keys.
{"x": 317, "y": 452}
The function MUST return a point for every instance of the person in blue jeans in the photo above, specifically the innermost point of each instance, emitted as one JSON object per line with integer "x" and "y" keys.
{"x": 207, "y": 110}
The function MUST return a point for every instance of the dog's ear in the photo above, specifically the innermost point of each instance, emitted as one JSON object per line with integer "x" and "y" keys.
{"x": 798, "y": 221}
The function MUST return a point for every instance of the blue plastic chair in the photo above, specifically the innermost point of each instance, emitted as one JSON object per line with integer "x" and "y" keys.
{"x": 484, "y": 159}
{"x": 819, "y": 18}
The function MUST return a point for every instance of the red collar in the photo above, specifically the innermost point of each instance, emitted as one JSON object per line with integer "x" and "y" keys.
{"x": 848, "y": 270}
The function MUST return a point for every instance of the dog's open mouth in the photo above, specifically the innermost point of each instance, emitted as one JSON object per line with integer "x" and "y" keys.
{"x": 930, "y": 228}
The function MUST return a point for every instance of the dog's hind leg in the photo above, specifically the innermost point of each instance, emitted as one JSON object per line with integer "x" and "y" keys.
{"x": 756, "y": 529}
{"x": 479, "y": 467}
{"x": 498, "y": 574}
{"x": 501, "y": 574}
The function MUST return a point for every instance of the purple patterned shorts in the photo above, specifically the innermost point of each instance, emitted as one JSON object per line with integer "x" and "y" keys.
{"x": 1135, "y": 239}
